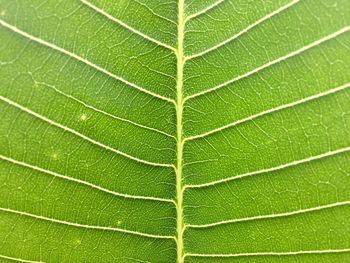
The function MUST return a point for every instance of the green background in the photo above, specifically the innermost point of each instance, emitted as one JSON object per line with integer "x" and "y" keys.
{"x": 88, "y": 130}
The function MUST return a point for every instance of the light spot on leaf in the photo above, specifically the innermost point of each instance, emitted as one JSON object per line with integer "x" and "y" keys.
{"x": 55, "y": 156}
{"x": 83, "y": 117}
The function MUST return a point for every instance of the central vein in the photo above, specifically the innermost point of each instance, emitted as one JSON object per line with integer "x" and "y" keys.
{"x": 179, "y": 134}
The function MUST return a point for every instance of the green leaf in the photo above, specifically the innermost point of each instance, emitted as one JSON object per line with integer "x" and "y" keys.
{"x": 175, "y": 131}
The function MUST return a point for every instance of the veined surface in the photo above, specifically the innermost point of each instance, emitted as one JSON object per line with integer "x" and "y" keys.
{"x": 175, "y": 131}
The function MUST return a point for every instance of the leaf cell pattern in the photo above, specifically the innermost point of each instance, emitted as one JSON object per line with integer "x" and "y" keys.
{"x": 175, "y": 131}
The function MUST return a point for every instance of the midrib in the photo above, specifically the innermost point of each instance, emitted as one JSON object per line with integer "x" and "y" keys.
{"x": 179, "y": 133}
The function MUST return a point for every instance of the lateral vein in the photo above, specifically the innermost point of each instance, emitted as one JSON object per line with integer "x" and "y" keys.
{"x": 203, "y": 11}
{"x": 94, "y": 142}
{"x": 83, "y": 225}
{"x": 266, "y": 112}
{"x": 278, "y": 60}
{"x": 271, "y": 216}
{"x": 133, "y": 30}
{"x": 289, "y": 253}
{"x": 85, "y": 61}
{"x": 97, "y": 187}
{"x": 261, "y": 20}
{"x": 20, "y": 259}
{"x": 272, "y": 169}
{"x": 104, "y": 112}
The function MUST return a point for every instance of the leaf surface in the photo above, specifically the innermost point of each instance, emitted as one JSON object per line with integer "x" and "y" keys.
{"x": 175, "y": 131}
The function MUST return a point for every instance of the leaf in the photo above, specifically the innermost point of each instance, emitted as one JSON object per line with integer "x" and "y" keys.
{"x": 175, "y": 131}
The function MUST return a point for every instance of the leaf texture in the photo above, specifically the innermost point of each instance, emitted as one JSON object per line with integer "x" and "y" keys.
{"x": 175, "y": 131}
